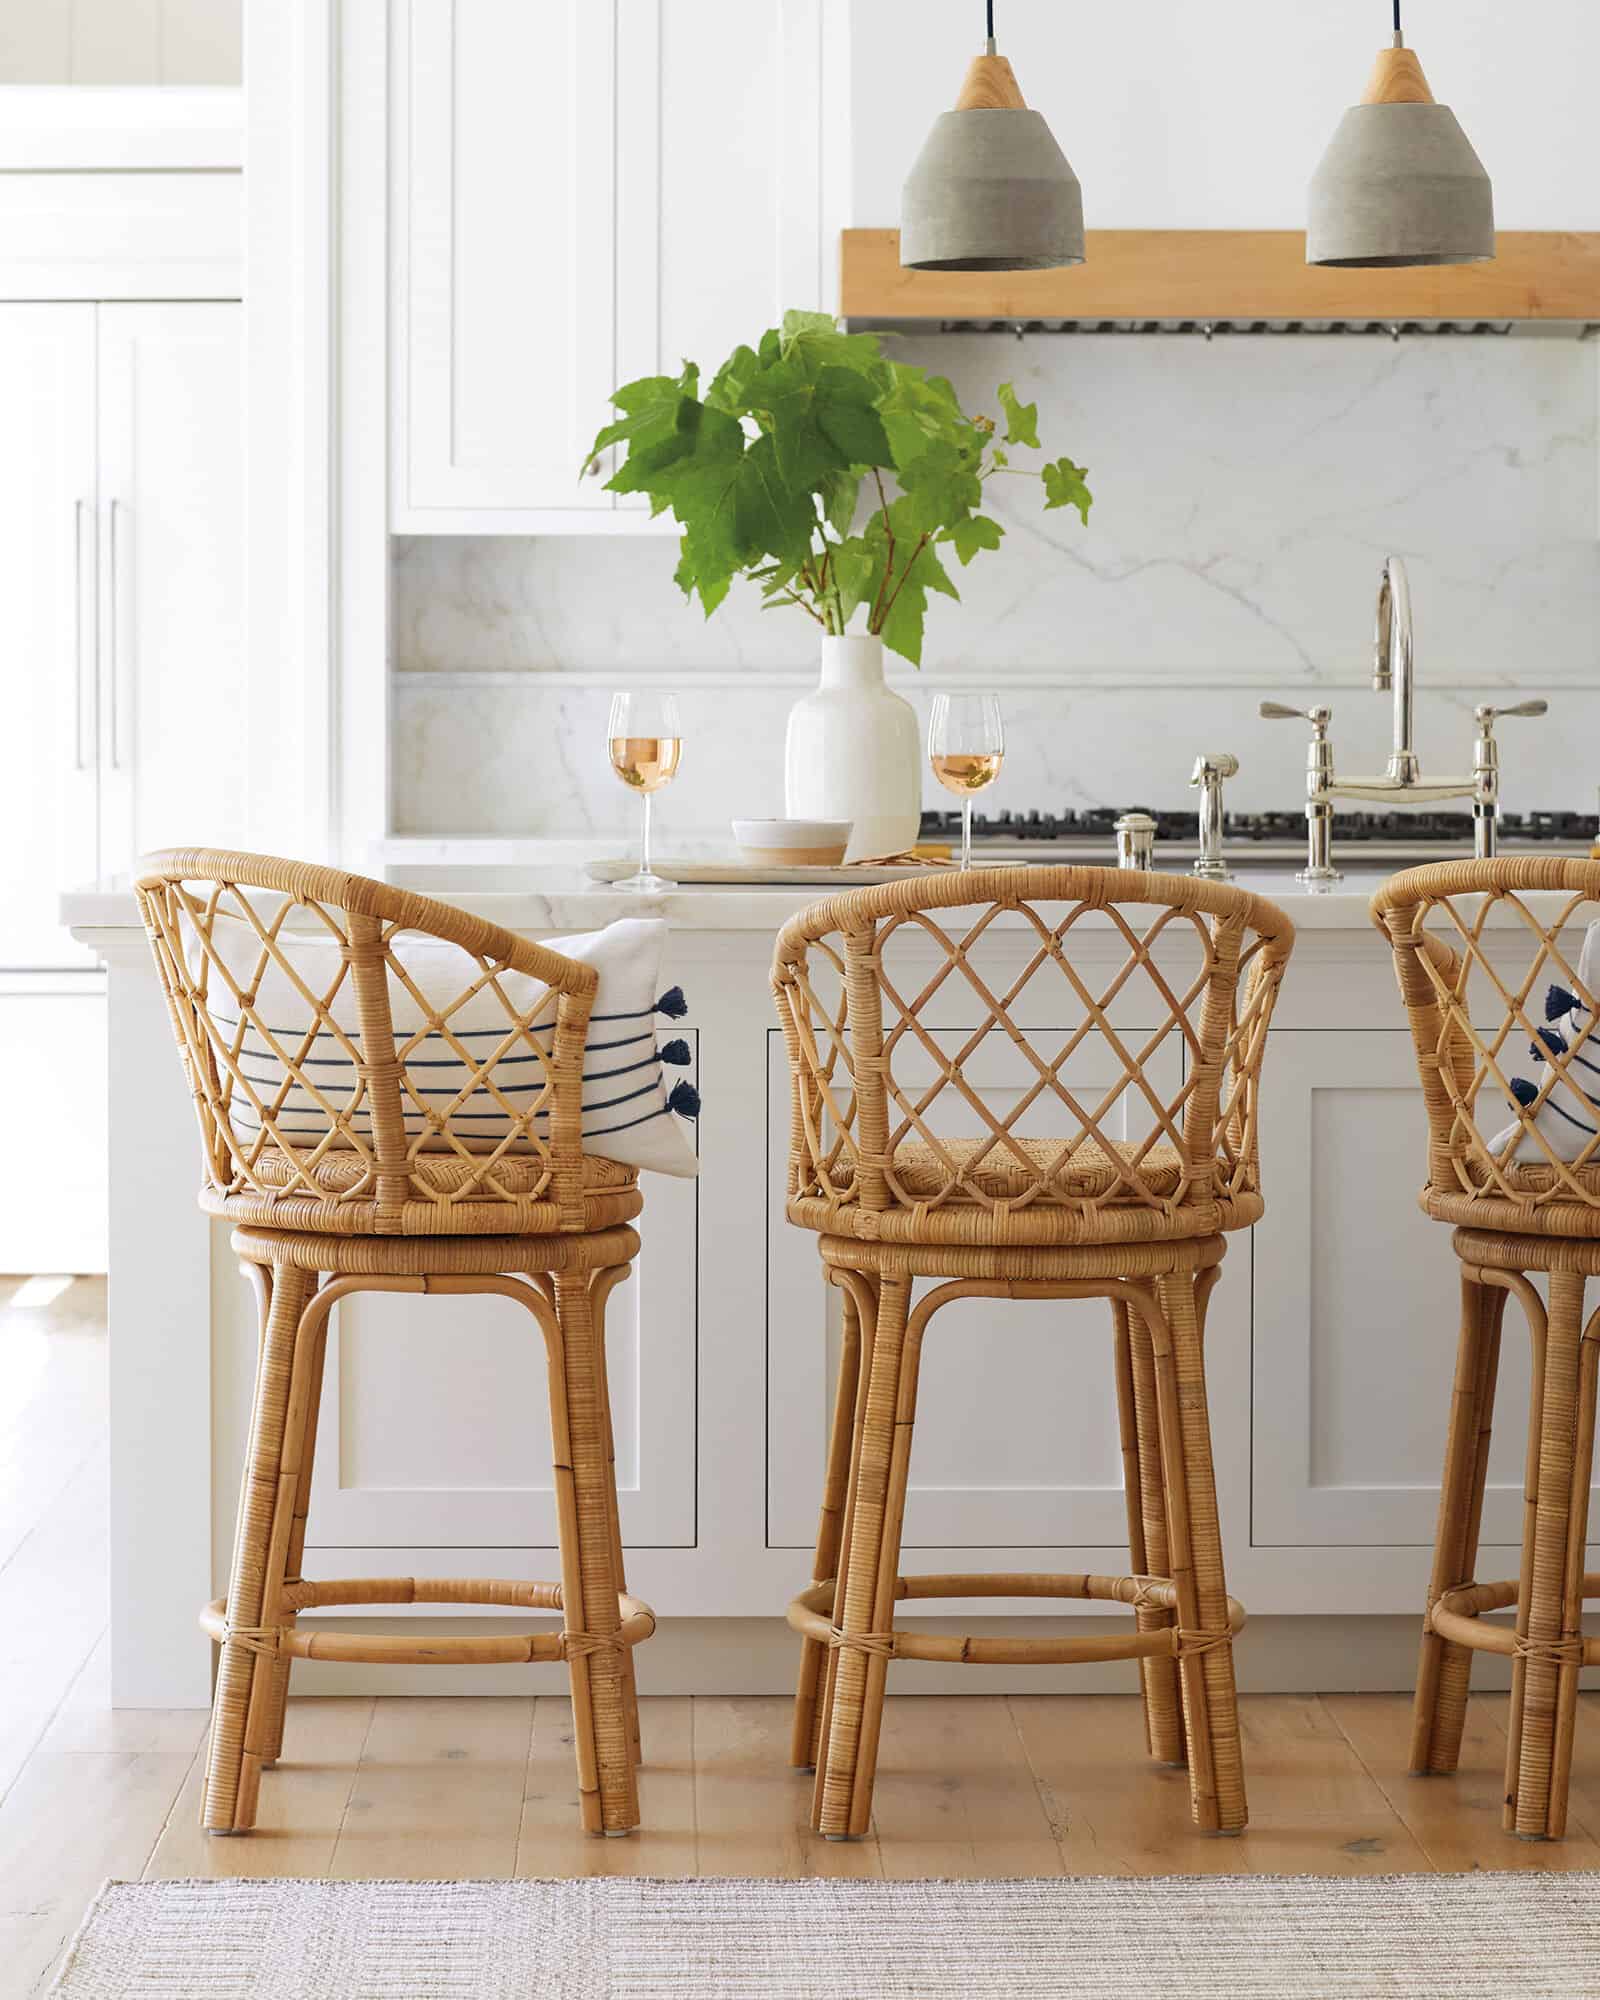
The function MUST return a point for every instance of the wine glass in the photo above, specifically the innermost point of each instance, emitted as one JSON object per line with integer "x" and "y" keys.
{"x": 965, "y": 746}
{"x": 645, "y": 741}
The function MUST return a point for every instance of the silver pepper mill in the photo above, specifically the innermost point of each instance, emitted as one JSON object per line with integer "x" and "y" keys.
{"x": 1136, "y": 840}
{"x": 1208, "y": 774}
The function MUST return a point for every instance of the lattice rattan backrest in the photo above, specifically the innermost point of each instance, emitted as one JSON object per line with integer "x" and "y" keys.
{"x": 321, "y": 1017}
{"x": 1491, "y": 961}
{"x": 1130, "y": 1010}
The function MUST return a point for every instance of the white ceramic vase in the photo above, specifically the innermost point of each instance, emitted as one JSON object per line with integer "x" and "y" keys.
{"x": 854, "y": 751}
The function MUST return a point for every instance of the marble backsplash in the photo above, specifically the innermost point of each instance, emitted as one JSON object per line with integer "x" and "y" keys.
{"x": 1247, "y": 490}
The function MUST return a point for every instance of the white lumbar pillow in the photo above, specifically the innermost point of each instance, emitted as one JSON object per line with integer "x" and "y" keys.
{"x": 629, "y": 1113}
{"x": 1569, "y": 1117}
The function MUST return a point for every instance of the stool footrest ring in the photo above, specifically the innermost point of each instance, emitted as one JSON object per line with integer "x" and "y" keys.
{"x": 811, "y": 1614}
{"x": 1457, "y": 1615}
{"x": 451, "y": 1649}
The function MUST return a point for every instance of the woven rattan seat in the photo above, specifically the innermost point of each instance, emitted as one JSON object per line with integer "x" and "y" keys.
{"x": 521, "y": 1204}
{"x": 334, "y": 1195}
{"x": 1476, "y": 956}
{"x": 1056, "y": 1198}
{"x": 1108, "y": 1164}
{"x": 1521, "y": 1197}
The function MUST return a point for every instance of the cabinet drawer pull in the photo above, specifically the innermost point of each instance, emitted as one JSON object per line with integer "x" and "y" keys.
{"x": 113, "y": 668}
{"x": 82, "y": 759}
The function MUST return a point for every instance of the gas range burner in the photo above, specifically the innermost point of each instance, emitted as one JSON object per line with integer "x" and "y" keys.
{"x": 1390, "y": 829}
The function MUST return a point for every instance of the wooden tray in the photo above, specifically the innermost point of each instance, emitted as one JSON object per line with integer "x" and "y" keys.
{"x": 753, "y": 875}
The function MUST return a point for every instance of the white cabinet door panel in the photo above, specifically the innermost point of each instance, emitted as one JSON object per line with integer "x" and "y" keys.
{"x": 1357, "y": 1309}
{"x": 589, "y": 191}
{"x": 48, "y": 713}
{"x": 765, "y": 110}
{"x": 53, "y": 1057}
{"x": 1016, "y": 1436}
{"x": 507, "y": 157}
{"x": 171, "y": 398}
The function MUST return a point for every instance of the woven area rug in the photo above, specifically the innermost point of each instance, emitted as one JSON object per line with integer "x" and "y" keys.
{"x": 1115, "y": 1939}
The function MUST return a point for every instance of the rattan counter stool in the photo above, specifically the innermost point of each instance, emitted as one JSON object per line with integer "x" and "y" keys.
{"x": 1504, "y": 1032}
{"x": 325, "y": 1142}
{"x": 1122, "y": 1192}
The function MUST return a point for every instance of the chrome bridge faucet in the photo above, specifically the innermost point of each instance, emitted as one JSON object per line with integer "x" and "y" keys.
{"x": 1394, "y": 666}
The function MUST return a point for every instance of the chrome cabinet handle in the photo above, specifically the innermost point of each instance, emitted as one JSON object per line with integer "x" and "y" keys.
{"x": 113, "y": 665}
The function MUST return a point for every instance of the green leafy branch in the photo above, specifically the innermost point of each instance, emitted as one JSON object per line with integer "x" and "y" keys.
{"x": 765, "y": 471}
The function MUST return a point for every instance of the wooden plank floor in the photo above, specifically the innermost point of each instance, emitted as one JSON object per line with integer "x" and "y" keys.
{"x": 975, "y": 1786}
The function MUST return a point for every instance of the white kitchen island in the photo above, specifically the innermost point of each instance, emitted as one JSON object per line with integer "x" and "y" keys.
{"x": 1331, "y": 1347}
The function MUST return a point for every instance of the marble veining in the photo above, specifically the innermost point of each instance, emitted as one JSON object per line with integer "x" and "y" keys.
{"x": 1246, "y": 492}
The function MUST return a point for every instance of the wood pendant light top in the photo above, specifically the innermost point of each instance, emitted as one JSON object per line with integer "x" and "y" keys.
{"x": 1397, "y": 78}
{"x": 990, "y": 86}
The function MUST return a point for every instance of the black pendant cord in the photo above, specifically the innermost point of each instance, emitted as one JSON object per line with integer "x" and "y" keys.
{"x": 988, "y": 15}
{"x": 1397, "y": 28}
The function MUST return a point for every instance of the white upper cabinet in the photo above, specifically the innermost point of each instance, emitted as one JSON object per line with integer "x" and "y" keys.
{"x": 49, "y": 805}
{"x": 171, "y": 578}
{"x": 121, "y": 578}
{"x": 587, "y": 191}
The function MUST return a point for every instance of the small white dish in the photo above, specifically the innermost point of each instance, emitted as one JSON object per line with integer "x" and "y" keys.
{"x": 793, "y": 843}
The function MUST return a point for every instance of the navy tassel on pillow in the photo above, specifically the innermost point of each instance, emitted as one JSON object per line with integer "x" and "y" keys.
{"x": 675, "y": 1052}
{"x": 673, "y": 1004}
{"x": 685, "y": 1100}
{"x": 1521, "y": 1089}
{"x": 1551, "y": 1039}
{"x": 1558, "y": 1001}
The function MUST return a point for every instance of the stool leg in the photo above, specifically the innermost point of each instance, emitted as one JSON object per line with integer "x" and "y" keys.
{"x": 865, "y": 1289}
{"x": 842, "y": 1803}
{"x": 1443, "y": 1670}
{"x": 813, "y": 1654}
{"x": 586, "y": 1498}
{"x": 1211, "y": 1710}
{"x": 604, "y": 1284}
{"x": 241, "y": 1702}
{"x": 1536, "y": 1786}
{"x": 1147, "y": 1522}
{"x": 299, "y": 1453}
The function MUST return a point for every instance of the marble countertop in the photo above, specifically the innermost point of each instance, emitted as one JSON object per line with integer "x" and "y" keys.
{"x": 556, "y": 897}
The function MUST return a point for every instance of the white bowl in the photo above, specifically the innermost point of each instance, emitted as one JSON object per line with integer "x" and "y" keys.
{"x": 793, "y": 843}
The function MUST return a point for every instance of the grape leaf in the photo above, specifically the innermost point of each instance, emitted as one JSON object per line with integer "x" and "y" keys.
{"x": 1022, "y": 419}
{"x": 975, "y": 532}
{"x": 939, "y": 487}
{"x": 734, "y": 512}
{"x": 649, "y": 411}
{"x": 919, "y": 410}
{"x": 699, "y": 436}
{"x": 796, "y": 323}
{"x": 1064, "y": 487}
{"x": 815, "y": 342}
{"x": 848, "y": 420}
{"x": 699, "y": 571}
{"x": 853, "y": 570}
{"x": 730, "y": 385}
{"x": 907, "y": 604}
{"x": 839, "y": 491}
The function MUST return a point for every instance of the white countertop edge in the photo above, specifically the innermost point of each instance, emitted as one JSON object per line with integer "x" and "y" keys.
{"x": 563, "y": 901}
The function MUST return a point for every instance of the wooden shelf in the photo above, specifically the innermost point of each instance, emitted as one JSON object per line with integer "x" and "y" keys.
{"x": 1228, "y": 275}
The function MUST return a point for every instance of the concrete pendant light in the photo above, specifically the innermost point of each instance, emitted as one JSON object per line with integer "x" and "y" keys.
{"x": 1400, "y": 183}
{"x": 991, "y": 190}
